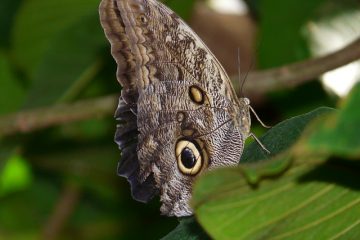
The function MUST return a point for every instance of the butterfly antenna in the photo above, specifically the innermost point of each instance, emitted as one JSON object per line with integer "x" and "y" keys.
{"x": 251, "y": 66}
{"x": 239, "y": 73}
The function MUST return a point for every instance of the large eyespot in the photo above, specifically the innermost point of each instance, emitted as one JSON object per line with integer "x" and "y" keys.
{"x": 189, "y": 157}
{"x": 197, "y": 95}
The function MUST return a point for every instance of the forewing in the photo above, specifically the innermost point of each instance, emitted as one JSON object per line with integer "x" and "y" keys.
{"x": 127, "y": 134}
{"x": 160, "y": 58}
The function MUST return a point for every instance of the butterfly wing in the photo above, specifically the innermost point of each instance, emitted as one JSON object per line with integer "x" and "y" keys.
{"x": 181, "y": 97}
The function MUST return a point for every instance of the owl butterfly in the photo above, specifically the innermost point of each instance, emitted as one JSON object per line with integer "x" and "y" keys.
{"x": 179, "y": 114}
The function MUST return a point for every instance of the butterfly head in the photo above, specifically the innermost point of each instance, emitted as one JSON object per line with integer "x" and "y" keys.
{"x": 243, "y": 116}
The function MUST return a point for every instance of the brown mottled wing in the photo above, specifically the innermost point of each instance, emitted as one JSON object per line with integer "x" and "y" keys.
{"x": 159, "y": 59}
{"x": 127, "y": 133}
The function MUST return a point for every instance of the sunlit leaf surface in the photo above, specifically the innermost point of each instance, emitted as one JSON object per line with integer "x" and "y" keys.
{"x": 309, "y": 200}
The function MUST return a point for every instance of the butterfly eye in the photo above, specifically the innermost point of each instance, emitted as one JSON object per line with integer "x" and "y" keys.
{"x": 197, "y": 95}
{"x": 189, "y": 158}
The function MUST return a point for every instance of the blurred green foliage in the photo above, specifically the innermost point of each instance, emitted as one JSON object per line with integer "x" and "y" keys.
{"x": 291, "y": 46}
{"x": 15, "y": 175}
{"x": 54, "y": 52}
{"x": 339, "y": 134}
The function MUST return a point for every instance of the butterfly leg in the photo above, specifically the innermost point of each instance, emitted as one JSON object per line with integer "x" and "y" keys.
{"x": 261, "y": 145}
{"x": 257, "y": 117}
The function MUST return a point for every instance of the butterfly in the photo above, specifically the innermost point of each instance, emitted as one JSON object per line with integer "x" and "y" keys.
{"x": 178, "y": 113}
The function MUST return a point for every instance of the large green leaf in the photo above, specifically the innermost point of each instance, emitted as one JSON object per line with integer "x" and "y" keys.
{"x": 72, "y": 57}
{"x": 339, "y": 134}
{"x": 280, "y": 30}
{"x": 309, "y": 200}
{"x": 38, "y": 22}
{"x": 303, "y": 204}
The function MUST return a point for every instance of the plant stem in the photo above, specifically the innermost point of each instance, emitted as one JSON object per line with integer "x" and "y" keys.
{"x": 31, "y": 120}
{"x": 62, "y": 211}
{"x": 292, "y": 75}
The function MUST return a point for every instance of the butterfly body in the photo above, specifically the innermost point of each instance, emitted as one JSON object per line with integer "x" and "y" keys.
{"x": 179, "y": 113}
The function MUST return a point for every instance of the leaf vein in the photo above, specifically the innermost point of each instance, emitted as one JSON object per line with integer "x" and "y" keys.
{"x": 302, "y": 205}
{"x": 319, "y": 221}
{"x": 345, "y": 230}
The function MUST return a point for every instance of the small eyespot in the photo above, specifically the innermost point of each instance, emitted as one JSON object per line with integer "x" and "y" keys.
{"x": 197, "y": 95}
{"x": 180, "y": 117}
{"x": 143, "y": 19}
{"x": 189, "y": 158}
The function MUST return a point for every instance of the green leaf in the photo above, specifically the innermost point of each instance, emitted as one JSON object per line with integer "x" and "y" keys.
{"x": 284, "y": 18}
{"x": 15, "y": 175}
{"x": 189, "y": 229}
{"x": 73, "y": 58}
{"x": 303, "y": 204}
{"x": 339, "y": 134}
{"x": 260, "y": 200}
{"x": 38, "y": 22}
{"x": 281, "y": 137}
{"x": 11, "y": 91}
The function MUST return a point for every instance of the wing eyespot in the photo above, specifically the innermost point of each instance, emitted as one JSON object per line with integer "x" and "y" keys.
{"x": 143, "y": 19}
{"x": 180, "y": 117}
{"x": 197, "y": 95}
{"x": 189, "y": 157}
